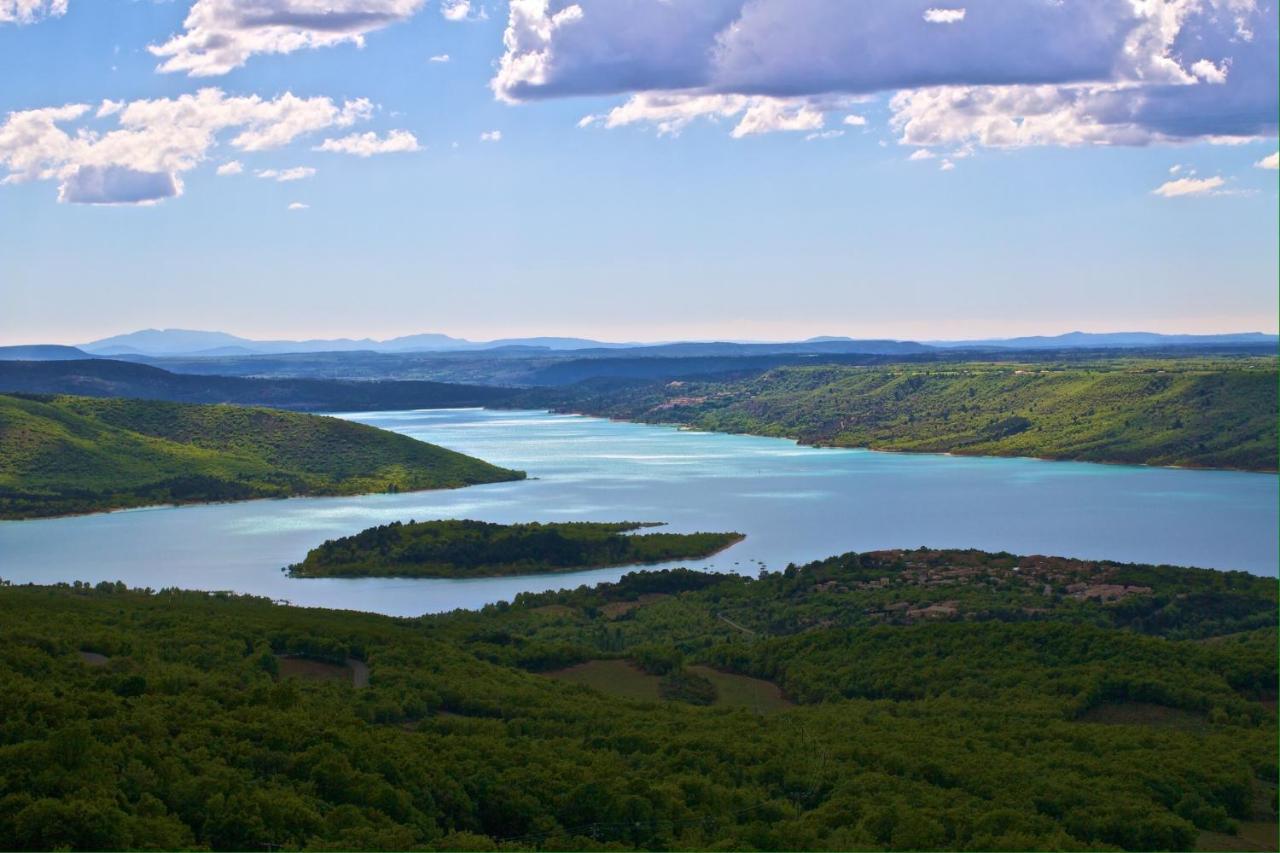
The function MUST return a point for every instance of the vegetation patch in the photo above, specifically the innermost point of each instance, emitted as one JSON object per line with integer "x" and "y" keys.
{"x": 1206, "y": 412}
{"x": 743, "y": 691}
{"x": 1142, "y": 714}
{"x": 615, "y": 677}
{"x": 465, "y": 549}
{"x": 79, "y": 454}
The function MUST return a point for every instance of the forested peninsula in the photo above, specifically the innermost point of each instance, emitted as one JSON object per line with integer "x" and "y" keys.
{"x": 66, "y": 454}
{"x": 1192, "y": 412}
{"x": 470, "y": 549}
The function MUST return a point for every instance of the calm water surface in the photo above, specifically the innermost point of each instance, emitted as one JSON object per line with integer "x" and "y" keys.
{"x": 794, "y": 503}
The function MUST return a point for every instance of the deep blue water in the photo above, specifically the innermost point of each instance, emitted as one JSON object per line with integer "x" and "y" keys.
{"x": 794, "y": 503}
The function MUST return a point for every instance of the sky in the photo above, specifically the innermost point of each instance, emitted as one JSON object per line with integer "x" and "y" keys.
{"x": 637, "y": 169}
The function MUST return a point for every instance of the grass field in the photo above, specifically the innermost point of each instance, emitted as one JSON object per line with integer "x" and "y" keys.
{"x": 626, "y": 680}
{"x": 615, "y": 677}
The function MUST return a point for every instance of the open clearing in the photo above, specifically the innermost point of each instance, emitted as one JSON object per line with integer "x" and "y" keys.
{"x": 1254, "y": 835}
{"x": 354, "y": 672}
{"x": 1143, "y": 714}
{"x": 624, "y": 679}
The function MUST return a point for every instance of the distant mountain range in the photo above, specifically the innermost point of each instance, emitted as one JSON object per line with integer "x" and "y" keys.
{"x": 162, "y": 343}
{"x": 188, "y": 342}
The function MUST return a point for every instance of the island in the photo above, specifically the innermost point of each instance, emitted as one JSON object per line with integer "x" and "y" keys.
{"x": 474, "y": 549}
{"x": 70, "y": 454}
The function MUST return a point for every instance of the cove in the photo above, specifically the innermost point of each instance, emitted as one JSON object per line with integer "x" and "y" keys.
{"x": 794, "y": 504}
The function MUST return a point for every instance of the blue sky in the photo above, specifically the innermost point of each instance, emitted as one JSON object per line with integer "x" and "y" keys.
{"x": 703, "y": 200}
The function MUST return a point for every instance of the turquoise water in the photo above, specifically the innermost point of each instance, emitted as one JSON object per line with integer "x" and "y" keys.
{"x": 794, "y": 503}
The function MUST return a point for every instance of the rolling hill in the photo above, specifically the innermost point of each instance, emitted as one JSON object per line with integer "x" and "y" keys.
{"x": 63, "y": 455}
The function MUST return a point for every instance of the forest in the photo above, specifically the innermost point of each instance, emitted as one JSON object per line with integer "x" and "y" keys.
{"x": 1194, "y": 412}
{"x": 988, "y": 701}
{"x": 68, "y": 454}
{"x": 468, "y": 549}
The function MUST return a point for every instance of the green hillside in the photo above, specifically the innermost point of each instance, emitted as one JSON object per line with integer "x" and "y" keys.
{"x": 63, "y": 455}
{"x": 1009, "y": 703}
{"x": 1211, "y": 413}
{"x": 465, "y": 549}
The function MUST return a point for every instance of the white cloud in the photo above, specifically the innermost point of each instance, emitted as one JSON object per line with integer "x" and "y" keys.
{"x": 670, "y": 113}
{"x": 461, "y": 10}
{"x": 1210, "y": 73}
{"x": 109, "y": 108}
{"x": 160, "y": 137}
{"x": 219, "y": 35}
{"x": 118, "y": 185}
{"x": 1271, "y": 161}
{"x": 297, "y": 205}
{"x": 491, "y": 136}
{"x": 297, "y": 173}
{"x": 368, "y": 144}
{"x": 944, "y": 16}
{"x": 30, "y": 11}
{"x": 922, "y": 154}
{"x": 1188, "y": 186}
{"x": 946, "y": 165}
{"x": 824, "y": 134}
{"x": 1040, "y": 73}
{"x": 1175, "y": 168}
{"x": 231, "y": 167}
{"x": 854, "y": 120}
{"x": 439, "y": 57}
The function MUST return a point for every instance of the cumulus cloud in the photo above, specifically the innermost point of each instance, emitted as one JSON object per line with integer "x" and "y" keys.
{"x": 219, "y": 35}
{"x": 118, "y": 185}
{"x": 922, "y": 154}
{"x": 164, "y": 136}
{"x": 297, "y": 205}
{"x": 368, "y": 144}
{"x": 461, "y": 10}
{"x": 232, "y": 167}
{"x": 439, "y": 57}
{"x": 1188, "y": 186}
{"x": 854, "y": 120}
{"x": 1032, "y": 73}
{"x": 491, "y": 136}
{"x": 297, "y": 173}
{"x": 30, "y": 11}
{"x": 1271, "y": 161}
{"x": 944, "y": 16}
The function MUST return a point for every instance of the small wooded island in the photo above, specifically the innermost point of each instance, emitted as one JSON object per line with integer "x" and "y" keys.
{"x": 472, "y": 549}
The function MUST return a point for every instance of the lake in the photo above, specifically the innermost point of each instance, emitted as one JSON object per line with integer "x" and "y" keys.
{"x": 794, "y": 503}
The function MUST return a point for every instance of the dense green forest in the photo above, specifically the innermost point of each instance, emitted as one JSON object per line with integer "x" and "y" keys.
{"x": 470, "y": 549}
{"x": 80, "y": 454}
{"x": 933, "y": 700}
{"x": 1202, "y": 412}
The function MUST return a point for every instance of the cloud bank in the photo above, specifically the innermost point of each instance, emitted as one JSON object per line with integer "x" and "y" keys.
{"x": 220, "y": 35}
{"x": 991, "y": 73}
{"x": 141, "y": 159}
